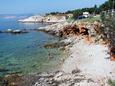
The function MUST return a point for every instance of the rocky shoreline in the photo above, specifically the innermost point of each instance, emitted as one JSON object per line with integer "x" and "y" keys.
{"x": 58, "y": 78}
{"x": 88, "y": 50}
{"x": 86, "y": 65}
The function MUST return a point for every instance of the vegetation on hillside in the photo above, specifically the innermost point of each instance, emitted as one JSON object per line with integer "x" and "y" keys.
{"x": 108, "y": 5}
{"x": 111, "y": 82}
{"x": 108, "y": 19}
{"x": 90, "y": 19}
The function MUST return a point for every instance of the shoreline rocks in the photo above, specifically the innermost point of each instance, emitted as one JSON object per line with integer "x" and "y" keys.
{"x": 77, "y": 63}
{"x": 17, "y": 31}
{"x": 56, "y": 45}
{"x": 58, "y": 78}
{"x": 91, "y": 34}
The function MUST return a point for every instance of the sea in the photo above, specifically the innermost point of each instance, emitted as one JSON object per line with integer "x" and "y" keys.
{"x": 25, "y": 53}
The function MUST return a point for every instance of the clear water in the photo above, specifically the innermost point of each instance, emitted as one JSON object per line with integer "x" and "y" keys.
{"x": 25, "y": 53}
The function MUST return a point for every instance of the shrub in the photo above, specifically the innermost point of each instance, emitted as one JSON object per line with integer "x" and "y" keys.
{"x": 108, "y": 20}
{"x": 111, "y": 82}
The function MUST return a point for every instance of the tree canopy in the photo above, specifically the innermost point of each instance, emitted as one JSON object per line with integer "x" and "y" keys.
{"x": 108, "y": 5}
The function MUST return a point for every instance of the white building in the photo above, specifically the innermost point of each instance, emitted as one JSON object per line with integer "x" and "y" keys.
{"x": 86, "y": 14}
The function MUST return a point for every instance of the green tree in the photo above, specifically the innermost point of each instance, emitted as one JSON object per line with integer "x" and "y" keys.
{"x": 96, "y": 10}
{"x": 77, "y": 13}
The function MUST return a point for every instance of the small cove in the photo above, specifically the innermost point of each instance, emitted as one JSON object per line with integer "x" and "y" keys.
{"x": 24, "y": 53}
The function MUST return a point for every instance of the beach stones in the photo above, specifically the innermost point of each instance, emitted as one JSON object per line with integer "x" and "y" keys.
{"x": 75, "y": 71}
{"x": 3, "y": 82}
{"x": 11, "y": 80}
{"x": 58, "y": 78}
{"x": 56, "y": 45}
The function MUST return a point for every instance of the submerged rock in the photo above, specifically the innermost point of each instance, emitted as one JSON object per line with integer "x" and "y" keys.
{"x": 3, "y": 70}
{"x": 12, "y": 64}
{"x": 56, "y": 45}
{"x": 13, "y": 80}
{"x": 14, "y": 31}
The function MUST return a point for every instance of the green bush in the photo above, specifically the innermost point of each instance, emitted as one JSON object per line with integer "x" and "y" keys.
{"x": 108, "y": 19}
{"x": 111, "y": 82}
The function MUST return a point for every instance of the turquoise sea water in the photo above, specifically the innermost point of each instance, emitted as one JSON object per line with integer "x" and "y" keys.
{"x": 25, "y": 53}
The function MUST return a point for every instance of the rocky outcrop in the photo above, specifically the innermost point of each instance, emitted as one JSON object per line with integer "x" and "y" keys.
{"x": 94, "y": 30}
{"x": 58, "y": 78}
{"x": 53, "y": 29}
{"x": 90, "y": 38}
{"x": 32, "y": 19}
{"x": 44, "y": 19}
{"x": 85, "y": 60}
{"x": 56, "y": 45}
{"x": 14, "y": 31}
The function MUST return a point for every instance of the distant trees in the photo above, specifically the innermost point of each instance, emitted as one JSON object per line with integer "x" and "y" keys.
{"x": 53, "y": 13}
{"x": 96, "y": 10}
{"x": 110, "y": 4}
{"x": 79, "y": 12}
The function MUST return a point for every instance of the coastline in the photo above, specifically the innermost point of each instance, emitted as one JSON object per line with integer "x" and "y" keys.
{"x": 53, "y": 43}
{"x": 90, "y": 57}
{"x": 87, "y": 63}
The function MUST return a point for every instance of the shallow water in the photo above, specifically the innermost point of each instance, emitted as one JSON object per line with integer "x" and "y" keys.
{"x": 25, "y": 53}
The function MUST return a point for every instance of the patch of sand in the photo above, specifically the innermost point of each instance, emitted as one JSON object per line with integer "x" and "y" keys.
{"x": 91, "y": 59}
